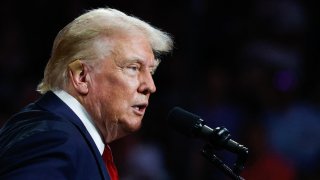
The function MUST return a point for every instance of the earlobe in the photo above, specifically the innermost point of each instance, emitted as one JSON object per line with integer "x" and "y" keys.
{"x": 78, "y": 73}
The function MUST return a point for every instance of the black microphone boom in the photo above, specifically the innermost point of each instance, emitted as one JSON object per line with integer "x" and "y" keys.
{"x": 193, "y": 126}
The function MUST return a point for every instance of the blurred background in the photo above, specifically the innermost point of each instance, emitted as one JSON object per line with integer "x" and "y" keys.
{"x": 251, "y": 66}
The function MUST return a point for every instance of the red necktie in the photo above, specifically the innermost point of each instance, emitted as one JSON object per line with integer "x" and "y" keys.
{"x": 108, "y": 160}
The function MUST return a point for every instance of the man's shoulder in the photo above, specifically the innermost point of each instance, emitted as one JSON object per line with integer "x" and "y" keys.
{"x": 33, "y": 118}
{"x": 42, "y": 144}
{"x": 33, "y": 123}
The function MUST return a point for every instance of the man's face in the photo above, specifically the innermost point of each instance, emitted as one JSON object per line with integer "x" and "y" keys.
{"x": 122, "y": 85}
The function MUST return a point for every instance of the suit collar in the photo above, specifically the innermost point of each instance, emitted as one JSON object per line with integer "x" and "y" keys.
{"x": 83, "y": 115}
{"x": 54, "y": 104}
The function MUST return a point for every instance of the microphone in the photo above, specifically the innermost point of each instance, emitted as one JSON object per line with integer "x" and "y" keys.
{"x": 192, "y": 125}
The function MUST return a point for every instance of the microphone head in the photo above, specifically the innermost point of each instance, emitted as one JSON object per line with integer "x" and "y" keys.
{"x": 184, "y": 122}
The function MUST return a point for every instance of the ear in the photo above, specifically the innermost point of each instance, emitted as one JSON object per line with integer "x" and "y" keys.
{"x": 78, "y": 74}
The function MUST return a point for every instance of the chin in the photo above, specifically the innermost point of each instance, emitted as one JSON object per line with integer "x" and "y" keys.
{"x": 127, "y": 130}
{"x": 130, "y": 128}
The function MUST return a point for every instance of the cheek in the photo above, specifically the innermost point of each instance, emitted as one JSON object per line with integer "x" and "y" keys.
{"x": 115, "y": 89}
{"x": 124, "y": 87}
{"x": 116, "y": 93}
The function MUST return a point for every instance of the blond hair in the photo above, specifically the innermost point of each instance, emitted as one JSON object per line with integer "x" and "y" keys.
{"x": 81, "y": 39}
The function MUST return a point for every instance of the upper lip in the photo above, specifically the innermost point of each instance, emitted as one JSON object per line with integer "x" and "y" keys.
{"x": 141, "y": 105}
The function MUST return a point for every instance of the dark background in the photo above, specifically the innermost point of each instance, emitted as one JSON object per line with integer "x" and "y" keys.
{"x": 251, "y": 66}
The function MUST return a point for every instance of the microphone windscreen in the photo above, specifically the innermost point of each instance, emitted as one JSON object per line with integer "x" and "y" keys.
{"x": 183, "y": 121}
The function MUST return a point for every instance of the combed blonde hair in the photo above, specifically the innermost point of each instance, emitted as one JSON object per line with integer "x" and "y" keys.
{"x": 81, "y": 39}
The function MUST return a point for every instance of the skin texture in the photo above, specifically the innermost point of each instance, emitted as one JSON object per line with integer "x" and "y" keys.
{"x": 116, "y": 93}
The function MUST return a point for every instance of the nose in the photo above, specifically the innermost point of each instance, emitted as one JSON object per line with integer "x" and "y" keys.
{"x": 147, "y": 85}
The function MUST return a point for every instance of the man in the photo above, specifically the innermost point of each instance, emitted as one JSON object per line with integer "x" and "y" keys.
{"x": 96, "y": 89}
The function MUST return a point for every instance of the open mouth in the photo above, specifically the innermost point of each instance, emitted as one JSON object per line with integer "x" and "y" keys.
{"x": 140, "y": 109}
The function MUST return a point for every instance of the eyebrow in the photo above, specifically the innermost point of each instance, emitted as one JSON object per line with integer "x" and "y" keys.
{"x": 142, "y": 61}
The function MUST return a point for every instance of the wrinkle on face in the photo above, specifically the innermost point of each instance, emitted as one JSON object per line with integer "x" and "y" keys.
{"x": 122, "y": 82}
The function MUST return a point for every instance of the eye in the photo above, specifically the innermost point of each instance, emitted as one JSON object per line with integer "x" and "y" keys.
{"x": 133, "y": 69}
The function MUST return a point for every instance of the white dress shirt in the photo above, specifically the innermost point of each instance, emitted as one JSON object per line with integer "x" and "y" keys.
{"x": 83, "y": 115}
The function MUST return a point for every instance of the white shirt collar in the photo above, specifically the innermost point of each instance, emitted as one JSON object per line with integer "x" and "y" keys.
{"x": 83, "y": 115}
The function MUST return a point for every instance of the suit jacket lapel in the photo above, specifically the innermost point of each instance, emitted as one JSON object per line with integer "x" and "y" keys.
{"x": 52, "y": 103}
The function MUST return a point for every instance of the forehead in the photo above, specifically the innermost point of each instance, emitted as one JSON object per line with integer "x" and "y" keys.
{"x": 134, "y": 47}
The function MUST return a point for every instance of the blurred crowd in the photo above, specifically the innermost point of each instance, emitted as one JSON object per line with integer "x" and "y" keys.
{"x": 250, "y": 66}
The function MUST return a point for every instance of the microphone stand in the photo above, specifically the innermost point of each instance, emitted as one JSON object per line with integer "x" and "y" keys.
{"x": 222, "y": 135}
{"x": 207, "y": 152}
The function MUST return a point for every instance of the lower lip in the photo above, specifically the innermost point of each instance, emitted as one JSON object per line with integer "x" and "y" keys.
{"x": 139, "y": 112}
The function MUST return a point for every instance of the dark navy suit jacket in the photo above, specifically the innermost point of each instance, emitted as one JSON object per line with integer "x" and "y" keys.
{"x": 46, "y": 140}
